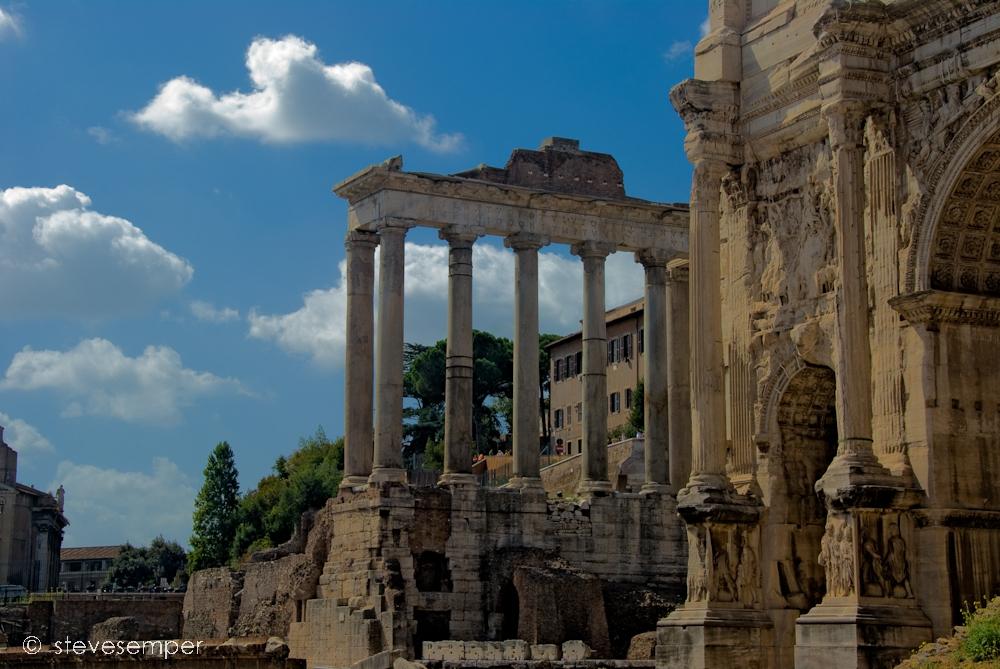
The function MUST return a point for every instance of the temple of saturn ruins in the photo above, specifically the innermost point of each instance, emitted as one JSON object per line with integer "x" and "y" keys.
{"x": 822, "y": 377}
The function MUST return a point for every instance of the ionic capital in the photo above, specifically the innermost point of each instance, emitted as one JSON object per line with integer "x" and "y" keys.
{"x": 525, "y": 241}
{"x": 459, "y": 237}
{"x": 359, "y": 239}
{"x": 394, "y": 224}
{"x": 649, "y": 258}
{"x": 592, "y": 249}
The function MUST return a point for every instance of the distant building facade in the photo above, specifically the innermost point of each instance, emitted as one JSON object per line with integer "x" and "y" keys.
{"x": 624, "y": 369}
{"x": 31, "y": 529}
{"x": 84, "y": 569}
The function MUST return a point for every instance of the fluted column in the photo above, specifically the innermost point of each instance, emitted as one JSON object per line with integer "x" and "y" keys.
{"x": 388, "y": 465}
{"x": 358, "y": 379}
{"x": 594, "y": 477}
{"x": 526, "y": 372}
{"x": 678, "y": 374}
{"x": 852, "y": 351}
{"x": 708, "y": 407}
{"x": 458, "y": 435}
{"x": 655, "y": 356}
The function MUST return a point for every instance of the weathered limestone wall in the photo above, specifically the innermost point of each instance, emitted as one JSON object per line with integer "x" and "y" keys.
{"x": 74, "y": 617}
{"x": 412, "y": 565}
{"x": 211, "y": 603}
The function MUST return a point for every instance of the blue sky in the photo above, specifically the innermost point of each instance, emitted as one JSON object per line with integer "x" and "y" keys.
{"x": 170, "y": 250}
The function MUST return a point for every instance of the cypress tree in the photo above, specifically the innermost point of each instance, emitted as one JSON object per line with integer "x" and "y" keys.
{"x": 215, "y": 511}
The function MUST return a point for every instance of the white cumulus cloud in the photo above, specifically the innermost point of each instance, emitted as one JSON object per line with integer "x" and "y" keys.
{"x": 10, "y": 26}
{"x": 705, "y": 27}
{"x": 60, "y": 258}
{"x": 23, "y": 437}
{"x": 110, "y": 506}
{"x": 96, "y": 378}
{"x": 317, "y": 328}
{"x": 205, "y": 311}
{"x": 678, "y": 50}
{"x": 296, "y": 97}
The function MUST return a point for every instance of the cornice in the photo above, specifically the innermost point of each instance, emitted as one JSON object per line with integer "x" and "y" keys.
{"x": 932, "y": 307}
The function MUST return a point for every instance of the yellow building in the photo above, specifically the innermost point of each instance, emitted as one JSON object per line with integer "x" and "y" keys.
{"x": 624, "y": 369}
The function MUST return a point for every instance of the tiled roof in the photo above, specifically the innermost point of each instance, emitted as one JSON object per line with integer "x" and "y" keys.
{"x": 90, "y": 553}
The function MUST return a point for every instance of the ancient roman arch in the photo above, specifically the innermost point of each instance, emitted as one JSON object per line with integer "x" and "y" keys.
{"x": 847, "y": 172}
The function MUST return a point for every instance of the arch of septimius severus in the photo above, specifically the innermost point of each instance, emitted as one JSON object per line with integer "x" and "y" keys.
{"x": 836, "y": 467}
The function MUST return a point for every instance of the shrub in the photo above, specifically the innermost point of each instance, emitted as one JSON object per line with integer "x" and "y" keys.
{"x": 982, "y": 633}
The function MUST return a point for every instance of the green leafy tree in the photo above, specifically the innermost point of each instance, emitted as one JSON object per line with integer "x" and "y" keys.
{"x": 424, "y": 382}
{"x": 131, "y": 569}
{"x": 215, "y": 511}
{"x": 138, "y": 566}
{"x": 637, "y": 415}
{"x": 302, "y": 481}
{"x": 167, "y": 559}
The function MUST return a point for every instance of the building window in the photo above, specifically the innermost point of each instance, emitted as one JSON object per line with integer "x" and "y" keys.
{"x": 579, "y": 362}
{"x": 579, "y": 446}
{"x": 569, "y": 416}
{"x": 628, "y": 398}
{"x": 75, "y": 566}
{"x": 615, "y": 402}
{"x": 571, "y": 365}
{"x": 579, "y": 412}
{"x": 611, "y": 351}
{"x": 627, "y": 347}
{"x": 642, "y": 340}
{"x": 559, "y": 369}
{"x": 558, "y": 418}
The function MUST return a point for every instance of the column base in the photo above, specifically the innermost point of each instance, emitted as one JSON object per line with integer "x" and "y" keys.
{"x": 855, "y": 477}
{"x": 390, "y": 475}
{"x": 456, "y": 479}
{"x": 708, "y": 636}
{"x": 588, "y": 487}
{"x": 843, "y": 634}
{"x": 526, "y": 484}
{"x": 656, "y": 489}
{"x": 351, "y": 484}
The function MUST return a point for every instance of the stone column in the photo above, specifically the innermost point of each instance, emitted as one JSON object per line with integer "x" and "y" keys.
{"x": 655, "y": 375}
{"x": 708, "y": 406}
{"x": 852, "y": 353}
{"x": 678, "y": 374}
{"x": 388, "y": 464}
{"x": 526, "y": 372}
{"x": 358, "y": 379}
{"x": 594, "y": 477}
{"x": 458, "y": 435}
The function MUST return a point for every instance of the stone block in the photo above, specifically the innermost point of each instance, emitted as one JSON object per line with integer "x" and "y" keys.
{"x": 545, "y": 651}
{"x": 515, "y": 649}
{"x": 493, "y": 650}
{"x": 430, "y": 651}
{"x": 452, "y": 651}
{"x": 575, "y": 651}
{"x": 642, "y": 647}
{"x": 474, "y": 650}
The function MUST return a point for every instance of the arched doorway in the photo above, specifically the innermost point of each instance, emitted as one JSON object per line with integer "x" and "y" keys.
{"x": 807, "y": 429}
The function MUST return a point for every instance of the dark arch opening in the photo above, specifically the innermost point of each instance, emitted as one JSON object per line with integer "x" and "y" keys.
{"x": 807, "y": 423}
